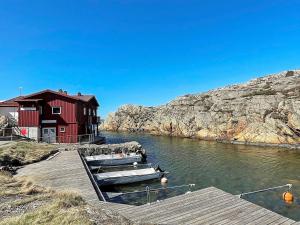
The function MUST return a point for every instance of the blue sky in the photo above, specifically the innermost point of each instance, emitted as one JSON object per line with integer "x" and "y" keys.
{"x": 143, "y": 51}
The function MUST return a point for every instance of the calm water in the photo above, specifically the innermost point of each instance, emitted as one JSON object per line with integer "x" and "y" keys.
{"x": 232, "y": 168}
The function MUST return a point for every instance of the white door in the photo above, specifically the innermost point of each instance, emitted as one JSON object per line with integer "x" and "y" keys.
{"x": 49, "y": 134}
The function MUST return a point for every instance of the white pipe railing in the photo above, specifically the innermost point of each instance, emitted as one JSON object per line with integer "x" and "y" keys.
{"x": 148, "y": 190}
{"x": 267, "y": 189}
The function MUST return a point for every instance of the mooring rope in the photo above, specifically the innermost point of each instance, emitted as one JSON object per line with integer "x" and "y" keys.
{"x": 266, "y": 189}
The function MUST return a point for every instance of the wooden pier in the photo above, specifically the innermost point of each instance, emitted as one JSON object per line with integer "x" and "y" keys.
{"x": 206, "y": 206}
{"x": 64, "y": 171}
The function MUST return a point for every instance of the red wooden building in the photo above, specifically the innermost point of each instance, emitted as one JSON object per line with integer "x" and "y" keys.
{"x": 56, "y": 116}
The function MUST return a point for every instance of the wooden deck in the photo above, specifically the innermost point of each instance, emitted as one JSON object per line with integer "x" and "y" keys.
{"x": 206, "y": 206}
{"x": 64, "y": 171}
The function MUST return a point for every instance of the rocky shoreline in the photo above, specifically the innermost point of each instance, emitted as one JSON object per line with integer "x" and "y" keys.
{"x": 287, "y": 146}
{"x": 264, "y": 111}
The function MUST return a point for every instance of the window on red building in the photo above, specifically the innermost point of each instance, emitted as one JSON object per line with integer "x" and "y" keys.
{"x": 56, "y": 110}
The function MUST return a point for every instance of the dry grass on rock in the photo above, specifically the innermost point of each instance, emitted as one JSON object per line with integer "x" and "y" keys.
{"x": 24, "y": 203}
{"x": 23, "y": 152}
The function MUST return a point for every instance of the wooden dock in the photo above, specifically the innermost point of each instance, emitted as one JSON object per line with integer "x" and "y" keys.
{"x": 206, "y": 206}
{"x": 64, "y": 171}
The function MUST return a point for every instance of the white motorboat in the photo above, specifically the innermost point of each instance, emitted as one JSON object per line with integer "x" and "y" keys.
{"x": 114, "y": 159}
{"x": 128, "y": 176}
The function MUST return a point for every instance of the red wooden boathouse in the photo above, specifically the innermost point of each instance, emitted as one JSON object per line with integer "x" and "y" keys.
{"x": 56, "y": 116}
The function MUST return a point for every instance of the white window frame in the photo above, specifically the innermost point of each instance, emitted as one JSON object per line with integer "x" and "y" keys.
{"x": 28, "y": 108}
{"x": 56, "y": 107}
{"x": 94, "y": 112}
{"x": 62, "y": 129}
{"x": 90, "y": 111}
{"x": 84, "y": 111}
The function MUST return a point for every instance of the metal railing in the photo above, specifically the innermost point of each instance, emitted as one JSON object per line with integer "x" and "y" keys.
{"x": 64, "y": 139}
{"x": 4, "y": 132}
{"x": 289, "y": 186}
{"x": 7, "y": 134}
{"x": 14, "y": 133}
{"x": 10, "y": 134}
{"x": 149, "y": 190}
{"x": 156, "y": 190}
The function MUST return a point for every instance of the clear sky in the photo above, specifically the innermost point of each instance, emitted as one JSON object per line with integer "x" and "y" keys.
{"x": 143, "y": 51}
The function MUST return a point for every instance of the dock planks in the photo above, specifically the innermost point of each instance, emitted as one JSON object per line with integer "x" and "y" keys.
{"x": 64, "y": 171}
{"x": 206, "y": 206}
{"x": 214, "y": 207}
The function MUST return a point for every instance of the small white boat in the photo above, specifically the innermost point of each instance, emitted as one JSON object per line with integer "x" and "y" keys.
{"x": 128, "y": 176}
{"x": 114, "y": 159}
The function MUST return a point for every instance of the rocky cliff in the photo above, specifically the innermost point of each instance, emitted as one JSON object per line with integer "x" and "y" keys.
{"x": 263, "y": 110}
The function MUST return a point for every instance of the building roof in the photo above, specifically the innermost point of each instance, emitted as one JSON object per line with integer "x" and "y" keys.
{"x": 84, "y": 98}
{"x": 29, "y": 100}
{"x": 10, "y": 102}
{"x": 14, "y": 101}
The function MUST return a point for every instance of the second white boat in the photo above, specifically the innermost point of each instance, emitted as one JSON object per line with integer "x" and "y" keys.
{"x": 128, "y": 176}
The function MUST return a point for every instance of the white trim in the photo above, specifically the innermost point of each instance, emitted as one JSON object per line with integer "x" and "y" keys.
{"x": 48, "y": 121}
{"x": 64, "y": 129}
{"x": 28, "y": 108}
{"x": 56, "y": 107}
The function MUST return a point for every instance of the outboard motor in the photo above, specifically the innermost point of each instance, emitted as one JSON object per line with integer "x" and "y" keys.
{"x": 157, "y": 168}
{"x": 143, "y": 154}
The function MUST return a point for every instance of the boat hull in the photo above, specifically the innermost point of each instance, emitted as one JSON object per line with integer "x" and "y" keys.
{"x": 115, "y": 161}
{"x": 128, "y": 179}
